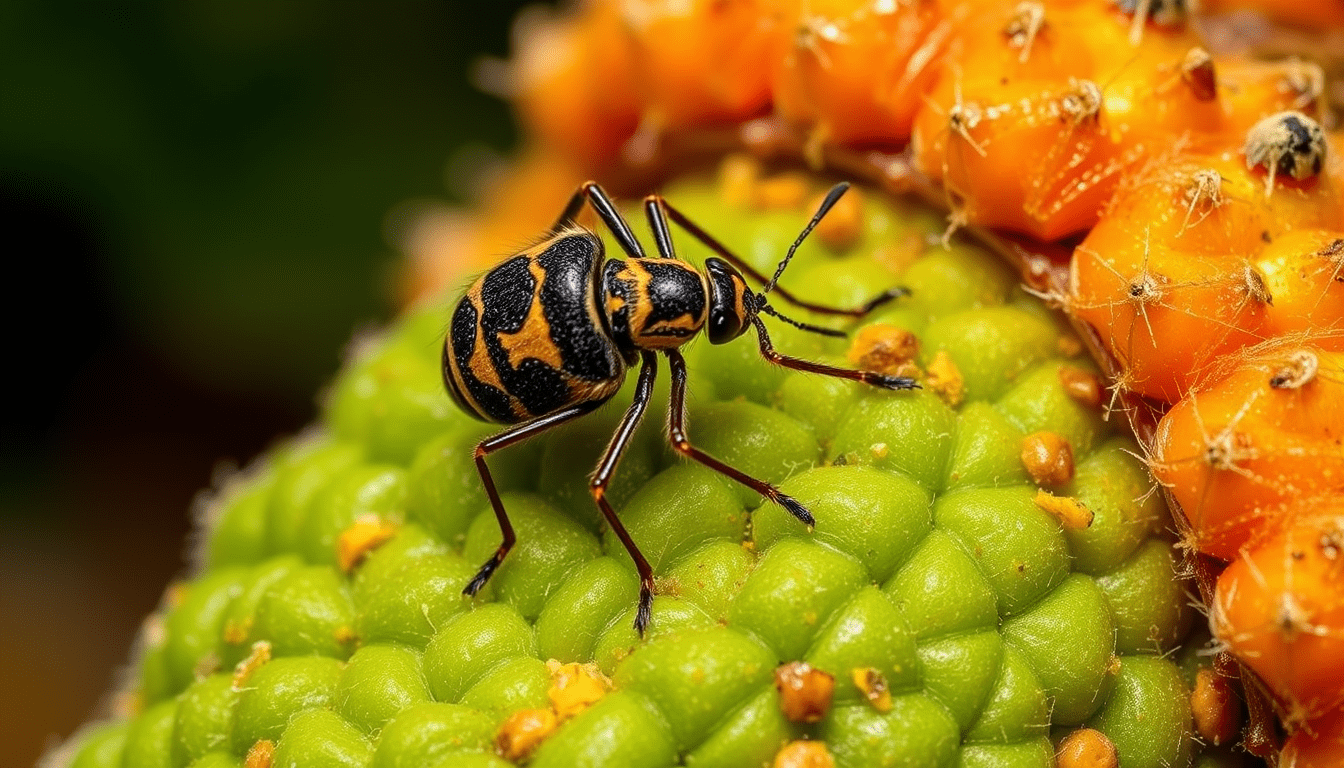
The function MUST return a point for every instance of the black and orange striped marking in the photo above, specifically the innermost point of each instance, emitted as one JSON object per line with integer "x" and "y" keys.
{"x": 528, "y": 338}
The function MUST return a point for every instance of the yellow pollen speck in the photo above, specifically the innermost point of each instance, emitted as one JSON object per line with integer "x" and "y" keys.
{"x": 944, "y": 378}
{"x": 261, "y": 653}
{"x": 1070, "y": 512}
{"x": 575, "y": 687}
{"x": 873, "y": 685}
{"x": 236, "y": 632}
{"x": 362, "y": 537}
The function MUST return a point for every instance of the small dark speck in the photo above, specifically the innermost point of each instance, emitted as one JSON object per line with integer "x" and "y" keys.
{"x": 1265, "y": 236}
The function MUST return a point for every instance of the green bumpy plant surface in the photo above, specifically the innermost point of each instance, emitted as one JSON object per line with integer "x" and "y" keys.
{"x": 995, "y": 628}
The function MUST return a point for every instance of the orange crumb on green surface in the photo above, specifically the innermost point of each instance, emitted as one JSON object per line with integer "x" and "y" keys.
{"x": 1071, "y": 513}
{"x": 261, "y": 653}
{"x": 873, "y": 685}
{"x": 520, "y": 735}
{"x": 1082, "y": 386}
{"x": 1086, "y": 748}
{"x": 1216, "y": 708}
{"x": 944, "y": 378}
{"x": 804, "y": 754}
{"x": 1048, "y": 458}
{"x": 804, "y": 692}
{"x": 885, "y": 349}
{"x": 260, "y": 755}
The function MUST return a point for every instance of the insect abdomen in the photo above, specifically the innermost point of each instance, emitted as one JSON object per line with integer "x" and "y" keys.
{"x": 527, "y": 339}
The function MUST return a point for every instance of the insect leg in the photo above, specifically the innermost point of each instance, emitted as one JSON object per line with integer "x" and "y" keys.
{"x": 602, "y": 478}
{"x": 657, "y": 216}
{"x": 676, "y": 431}
{"x": 798, "y": 364}
{"x": 594, "y": 195}
{"x": 490, "y": 445}
{"x": 722, "y": 251}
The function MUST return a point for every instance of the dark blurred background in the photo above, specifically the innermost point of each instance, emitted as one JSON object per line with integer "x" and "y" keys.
{"x": 192, "y": 195}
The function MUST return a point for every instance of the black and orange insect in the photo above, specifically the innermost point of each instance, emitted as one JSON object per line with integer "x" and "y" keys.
{"x": 547, "y": 336}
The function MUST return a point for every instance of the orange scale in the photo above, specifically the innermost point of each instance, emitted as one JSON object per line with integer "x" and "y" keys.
{"x": 573, "y": 83}
{"x": 1159, "y": 97}
{"x": 1301, "y": 203}
{"x": 1318, "y": 744}
{"x": 1250, "y": 90}
{"x": 1018, "y": 160}
{"x": 1304, "y": 272}
{"x": 1311, "y": 14}
{"x": 1280, "y": 608}
{"x": 1206, "y": 206}
{"x": 701, "y": 62}
{"x": 1236, "y": 453}
{"x": 997, "y": 44}
{"x": 857, "y": 69}
{"x": 1034, "y": 134}
{"x": 1334, "y": 166}
{"x": 1172, "y": 318}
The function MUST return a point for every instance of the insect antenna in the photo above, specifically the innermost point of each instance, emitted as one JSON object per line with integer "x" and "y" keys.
{"x": 771, "y": 311}
{"x": 822, "y": 210}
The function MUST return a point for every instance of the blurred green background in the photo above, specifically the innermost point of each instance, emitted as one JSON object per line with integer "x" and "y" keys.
{"x": 193, "y": 196}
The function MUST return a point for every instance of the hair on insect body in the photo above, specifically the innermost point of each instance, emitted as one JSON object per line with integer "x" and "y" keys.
{"x": 548, "y": 335}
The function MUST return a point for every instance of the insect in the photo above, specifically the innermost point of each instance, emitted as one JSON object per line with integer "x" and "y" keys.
{"x": 549, "y": 334}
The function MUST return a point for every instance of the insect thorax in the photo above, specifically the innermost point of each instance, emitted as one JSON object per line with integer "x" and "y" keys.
{"x": 653, "y": 303}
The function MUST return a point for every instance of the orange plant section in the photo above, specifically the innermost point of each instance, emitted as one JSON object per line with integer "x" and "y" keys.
{"x": 1317, "y": 747}
{"x": 574, "y": 85}
{"x": 1304, "y": 272}
{"x": 1035, "y": 120}
{"x": 1311, "y": 14}
{"x": 1281, "y": 611}
{"x": 1193, "y": 262}
{"x": 1238, "y": 455}
{"x": 701, "y": 61}
{"x": 856, "y": 70}
{"x": 1014, "y": 128}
